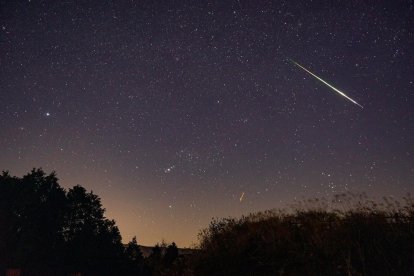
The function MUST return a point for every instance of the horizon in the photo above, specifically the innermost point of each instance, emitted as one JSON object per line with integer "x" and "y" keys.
{"x": 295, "y": 204}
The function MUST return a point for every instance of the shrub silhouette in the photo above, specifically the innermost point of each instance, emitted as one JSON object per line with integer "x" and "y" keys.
{"x": 364, "y": 238}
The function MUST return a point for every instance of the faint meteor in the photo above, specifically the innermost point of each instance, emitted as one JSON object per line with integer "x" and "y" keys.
{"x": 327, "y": 84}
{"x": 241, "y": 197}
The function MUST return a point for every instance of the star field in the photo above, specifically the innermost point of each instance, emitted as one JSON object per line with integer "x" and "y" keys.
{"x": 175, "y": 112}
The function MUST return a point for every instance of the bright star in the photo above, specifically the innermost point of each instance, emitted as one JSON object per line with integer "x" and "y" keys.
{"x": 169, "y": 169}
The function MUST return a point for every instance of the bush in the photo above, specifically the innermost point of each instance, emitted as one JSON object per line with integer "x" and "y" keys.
{"x": 316, "y": 238}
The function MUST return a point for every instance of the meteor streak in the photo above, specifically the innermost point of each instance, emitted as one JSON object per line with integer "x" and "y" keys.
{"x": 327, "y": 84}
{"x": 241, "y": 197}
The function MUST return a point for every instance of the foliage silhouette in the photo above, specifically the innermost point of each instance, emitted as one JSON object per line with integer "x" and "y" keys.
{"x": 164, "y": 260}
{"x": 48, "y": 231}
{"x": 135, "y": 260}
{"x": 366, "y": 238}
{"x": 171, "y": 254}
{"x": 32, "y": 216}
{"x": 88, "y": 233}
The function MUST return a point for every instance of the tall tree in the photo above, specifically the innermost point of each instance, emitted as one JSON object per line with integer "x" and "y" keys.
{"x": 10, "y": 213}
{"x": 42, "y": 227}
{"x": 32, "y": 208}
{"x": 135, "y": 260}
{"x": 133, "y": 252}
{"x": 93, "y": 242}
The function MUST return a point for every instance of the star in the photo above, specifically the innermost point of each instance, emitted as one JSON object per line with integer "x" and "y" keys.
{"x": 169, "y": 169}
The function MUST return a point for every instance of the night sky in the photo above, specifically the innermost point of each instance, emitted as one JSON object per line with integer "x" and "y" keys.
{"x": 170, "y": 111}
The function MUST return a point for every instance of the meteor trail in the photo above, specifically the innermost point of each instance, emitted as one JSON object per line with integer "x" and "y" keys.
{"x": 241, "y": 197}
{"x": 327, "y": 84}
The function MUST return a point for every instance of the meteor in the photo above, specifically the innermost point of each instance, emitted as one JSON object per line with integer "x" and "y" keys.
{"x": 241, "y": 197}
{"x": 327, "y": 84}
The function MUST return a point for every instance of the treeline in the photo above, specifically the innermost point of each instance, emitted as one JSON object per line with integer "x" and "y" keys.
{"x": 46, "y": 230}
{"x": 350, "y": 235}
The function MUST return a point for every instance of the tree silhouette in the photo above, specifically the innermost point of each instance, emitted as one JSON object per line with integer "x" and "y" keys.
{"x": 162, "y": 259}
{"x": 33, "y": 212}
{"x": 135, "y": 260}
{"x": 45, "y": 230}
{"x": 11, "y": 211}
{"x": 93, "y": 243}
{"x": 171, "y": 254}
{"x": 154, "y": 260}
{"x": 133, "y": 251}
